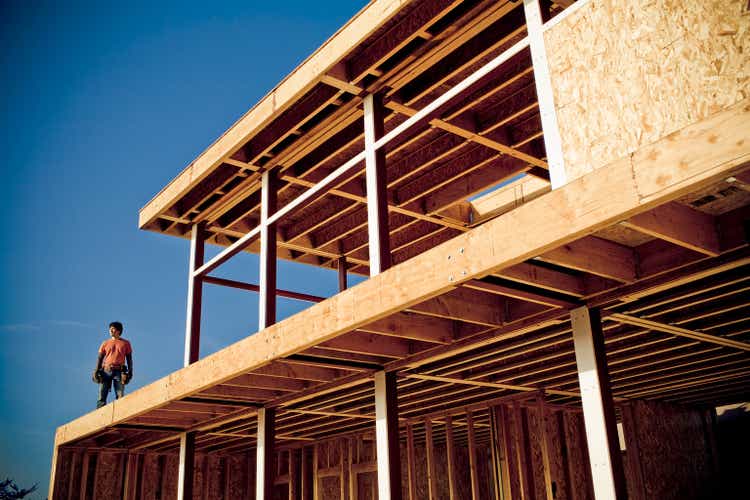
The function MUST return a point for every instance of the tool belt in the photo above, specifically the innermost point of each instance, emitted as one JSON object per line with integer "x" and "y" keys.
{"x": 115, "y": 367}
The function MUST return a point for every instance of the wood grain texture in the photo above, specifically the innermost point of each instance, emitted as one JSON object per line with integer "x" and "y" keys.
{"x": 625, "y": 74}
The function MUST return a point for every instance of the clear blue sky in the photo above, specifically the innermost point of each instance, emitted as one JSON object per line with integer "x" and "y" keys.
{"x": 101, "y": 106}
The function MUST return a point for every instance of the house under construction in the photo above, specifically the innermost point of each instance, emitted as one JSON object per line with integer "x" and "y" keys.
{"x": 550, "y": 201}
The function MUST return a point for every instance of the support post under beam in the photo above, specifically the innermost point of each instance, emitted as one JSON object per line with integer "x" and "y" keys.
{"x": 342, "y": 265}
{"x": 386, "y": 434}
{"x": 267, "y": 298}
{"x": 598, "y": 409}
{"x": 552, "y": 141}
{"x": 375, "y": 174}
{"x": 265, "y": 450}
{"x": 194, "y": 295}
{"x": 186, "y": 466}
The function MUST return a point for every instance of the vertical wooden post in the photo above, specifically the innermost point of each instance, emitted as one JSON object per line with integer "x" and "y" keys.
{"x": 375, "y": 174}
{"x": 386, "y": 435}
{"x": 552, "y": 141}
{"x": 451, "y": 455}
{"x": 194, "y": 295}
{"x": 430, "y": 453}
{"x": 267, "y": 295}
{"x": 307, "y": 473}
{"x": 343, "y": 285}
{"x": 295, "y": 474}
{"x": 264, "y": 459}
{"x": 186, "y": 466}
{"x": 598, "y": 410}
{"x": 474, "y": 473}
{"x": 523, "y": 460}
{"x": 503, "y": 426}
{"x": 544, "y": 444}
{"x": 411, "y": 462}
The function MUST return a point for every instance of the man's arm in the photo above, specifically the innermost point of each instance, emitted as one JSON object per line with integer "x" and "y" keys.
{"x": 96, "y": 377}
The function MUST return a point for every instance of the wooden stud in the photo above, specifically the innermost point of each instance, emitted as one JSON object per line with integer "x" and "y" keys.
{"x": 598, "y": 410}
{"x": 680, "y": 225}
{"x": 451, "y": 458}
{"x": 386, "y": 433}
{"x": 194, "y": 295}
{"x": 473, "y": 472}
{"x": 186, "y": 466}
{"x": 430, "y": 454}
{"x": 308, "y": 475}
{"x": 375, "y": 174}
{"x": 268, "y": 248}
{"x": 264, "y": 475}
{"x": 411, "y": 462}
{"x": 546, "y": 446}
{"x": 521, "y": 445}
{"x": 295, "y": 474}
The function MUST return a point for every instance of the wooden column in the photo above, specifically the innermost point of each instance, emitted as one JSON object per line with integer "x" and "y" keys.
{"x": 186, "y": 466}
{"x": 598, "y": 410}
{"x": 552, "y": 141}
{"x": 386, "y": 435}
{"x": 267, "y": 297}
{"x": 194, "y": 295}
{"x": 264, "y": 454}
{"x": 377, "y": 207}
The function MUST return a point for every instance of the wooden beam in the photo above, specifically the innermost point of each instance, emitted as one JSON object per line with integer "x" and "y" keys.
{"x": 264, "y": 462}
{"x": 680, "y": 225}
{"x": 598, "y": 409}
{"x": 465, "y": 304}
{"x": 678, "y": 331}
{"x": 386, "y": 434}
{"x": 375, "y": 175}
{"x": 413, "y": 326}
{"x": 194, "y": 295}
{"x": 597, "y": 256}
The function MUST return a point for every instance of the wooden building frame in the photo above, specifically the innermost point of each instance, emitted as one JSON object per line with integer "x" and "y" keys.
{"x": 604, "y": 276}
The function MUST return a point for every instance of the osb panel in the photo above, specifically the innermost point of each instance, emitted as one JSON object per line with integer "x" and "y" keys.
{"x": 108, "y": 480}
{"x": 169, "y": 476}
{"x": 672, "y": 448}
{"x": 625, "y": 74}
{"x": 216, "y": 477}
{"x": 579, "y": 470}
{"x": 367, "y": 486}
{"x": 237, "y": 480}
{"x": 150, "y": 484}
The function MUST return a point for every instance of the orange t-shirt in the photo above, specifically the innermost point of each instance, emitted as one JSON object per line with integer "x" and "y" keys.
{"x": 114, "y": 351}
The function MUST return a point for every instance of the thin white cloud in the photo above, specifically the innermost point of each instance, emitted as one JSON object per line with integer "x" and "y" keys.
{"x": 20, "y": 327}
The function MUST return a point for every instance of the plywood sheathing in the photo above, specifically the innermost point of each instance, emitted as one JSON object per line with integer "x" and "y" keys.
{"x": 625, "y": 74}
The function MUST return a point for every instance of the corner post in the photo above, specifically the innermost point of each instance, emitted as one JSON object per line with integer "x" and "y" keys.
{"x": 267, "y": 298}
{"x": 375, "y": 174}
{"x": 552, "y": 141}
{"x": 186, "y": 466}
{"x": 194, "y": 295}
{"x": 598, "y": 409}
{"x": 386, "y": 435}
{"x": 264, "y": 454}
